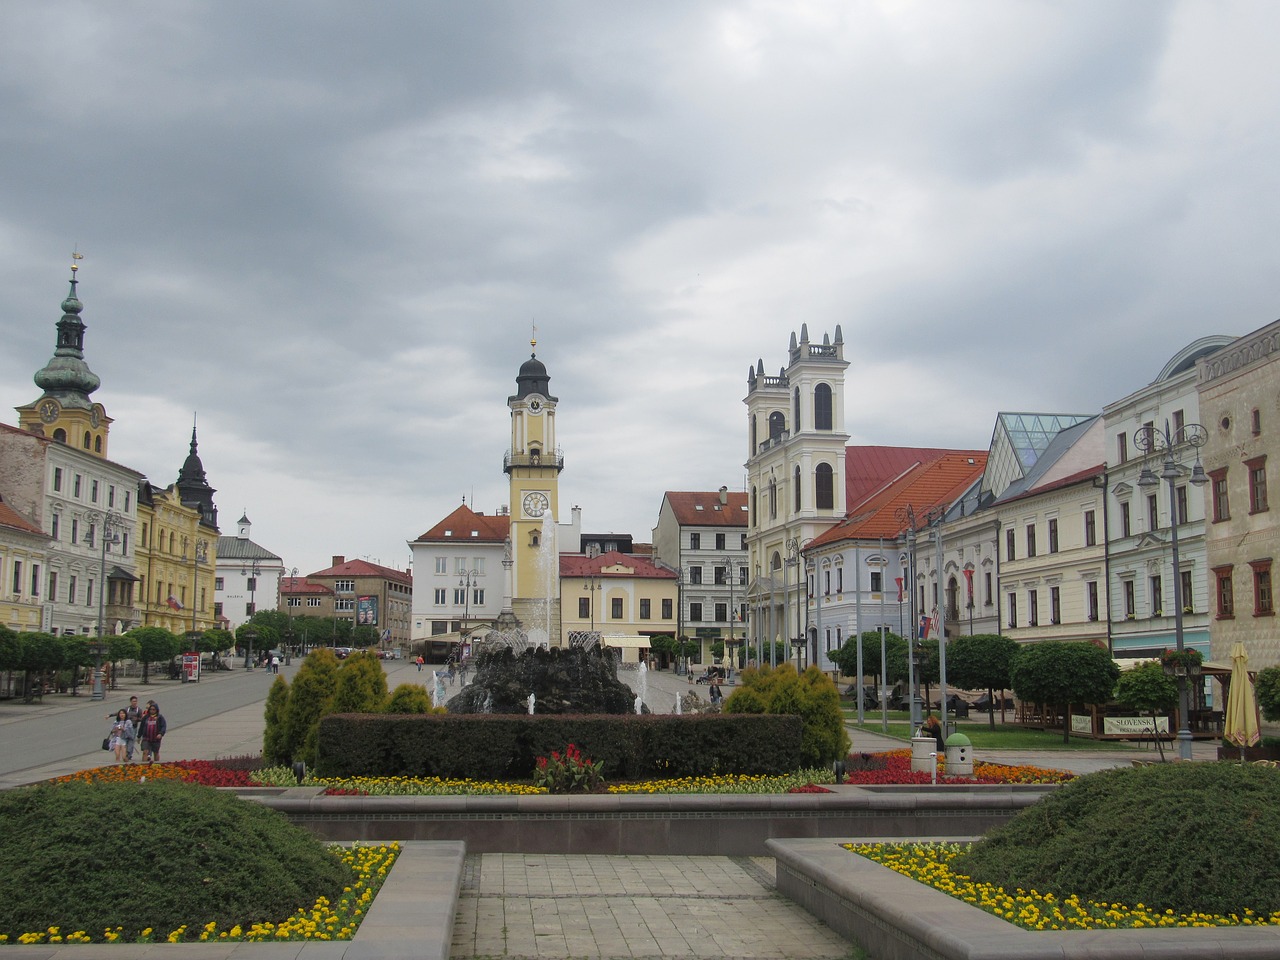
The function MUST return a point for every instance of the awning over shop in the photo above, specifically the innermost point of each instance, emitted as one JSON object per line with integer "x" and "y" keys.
{"x": 624, "y": 640}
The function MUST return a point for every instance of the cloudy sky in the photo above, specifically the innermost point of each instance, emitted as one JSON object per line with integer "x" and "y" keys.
{"x": 328, "y": 228}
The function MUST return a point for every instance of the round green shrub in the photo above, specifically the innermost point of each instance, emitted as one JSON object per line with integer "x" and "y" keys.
{"x": 1185, "y": 836}
{"x": 160, "y": 854}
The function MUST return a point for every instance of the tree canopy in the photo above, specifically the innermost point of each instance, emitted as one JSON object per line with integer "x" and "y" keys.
{"x": 1057, "y": 674}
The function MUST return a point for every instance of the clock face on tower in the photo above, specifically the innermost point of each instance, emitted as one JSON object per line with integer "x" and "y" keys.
{"x": 49, "y": 411}
{"x": 535, "y": 504}
{"x": 535, "y": 405}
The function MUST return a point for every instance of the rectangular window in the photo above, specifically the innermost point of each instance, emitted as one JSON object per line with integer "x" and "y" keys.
{"x": 1055, "y": 605}
{"x": 1262, "y": 603}
{"x": 311, "y": 602}
{"x": 251, "y": 584}
{"x": 75, "y": 487}
{"x": 1180, "y": 495}
{"x": 35, "y": 580}
{"x": 126, "y": 501}
{"x": 111, "y": 495}
{"x": 1090, "y": 529}
{"x": 75, "y": 530}
{"x": 1122, "y": 447}
{"x": 439, "y": 627}
{"x": 719, "y": 541}
{"x": 1008, "y": 544}
{"x": 666, "y": 609}
{"x": 584, "y": 608}
{"x": 1156, "y": 586}
{"x": 1091, "y": 599}
{"x": 477, "y": 566}
{"x": 695, "y": 575}
{"x": 53, "y": 586}
{"x": 1153, "y": 513}
{"x": 1013, "y": 610}
{"x": 1257, "y": 484}
{"x": 722, "y": 612}
{"x": 477, "y": 596}
{"x": 986, "y": 587}
{"x": 695, "y": 541}
{"x": 1031, "y": 539}
{"x": 347, "y": 604}
{"x": 695, "y": 612}
{"x": 1126, "y": 522}
{"x": 742, "y": 576}
{"x": 839, "y": 579}
{"x": 460, "y": 565}
{"x": 877, "y": 581}
{"x": 459, "y": 596}
{"x": 217, "y": 583}
{"x": 721, "y": 574}
{"x": 53, "y": 525}
{"x": 1179, "y": 421}
{"x": 1226, "y": 598}
{"x": 344, "y": 586}
{"x": 1130, "y": 600}
{"x": 1033, "y": 608}
{"x": 1147, "y": 435}
{"x": 17, "y": 577}
{"x": 1188, "y": 603}
{"x": 616, "y": 608}
{"x": 442, "y": 564}
{"x": 293, "y": 601}
{"x": 71, "y": 589}
{"x": 57, "y": 479}
{"x": 1221, "y": 502}
{"x": 1053, "y": 535}
{"x": 646, "y": 612}
{"x": 441, "y": 596}
{"x": 743, "y": 544}
{"x": 93, "y": 491}
{"x": 88, "y": 593}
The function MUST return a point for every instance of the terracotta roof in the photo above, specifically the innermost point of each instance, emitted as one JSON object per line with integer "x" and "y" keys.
{"x": 580, "y": 565}
{"x": 937, "y": 482}
{"x": 363, "y": 568}
{"x": 297, "y": 586}
{"x": 867, "y": 469}
{"x": 10, "y": 517}
{"x": 705, "y": 510}
{"x": 465, "y": 524}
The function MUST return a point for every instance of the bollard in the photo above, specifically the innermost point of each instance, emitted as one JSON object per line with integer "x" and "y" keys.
{"x": 924, "y": 752}
{"x": 959, "y": 756}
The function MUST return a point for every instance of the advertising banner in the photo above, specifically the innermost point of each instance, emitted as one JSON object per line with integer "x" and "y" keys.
{"x": 190, "y": 667}
{"x": 367, "y": 611}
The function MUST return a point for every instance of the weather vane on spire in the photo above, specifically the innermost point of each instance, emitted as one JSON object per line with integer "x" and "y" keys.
{"x": 533, "y": 337}
{"x": 76, "y": 256}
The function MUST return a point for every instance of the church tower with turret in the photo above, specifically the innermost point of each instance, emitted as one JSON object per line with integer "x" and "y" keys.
{"x": 533, "y": 466}
{"x": 64, "y": 412}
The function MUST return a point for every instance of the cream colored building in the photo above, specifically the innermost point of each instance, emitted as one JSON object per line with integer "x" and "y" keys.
{"x": 1239, "y": 392}
{"x": 624, "y": 598}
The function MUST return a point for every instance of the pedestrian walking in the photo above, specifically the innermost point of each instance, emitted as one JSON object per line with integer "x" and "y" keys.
{"x": 134, "y": 713}
{"x": 121, "y": 727}
{"x": 419, "y": 661}
{"x": 152, "y": 732}
{"x": 275, "y": 664}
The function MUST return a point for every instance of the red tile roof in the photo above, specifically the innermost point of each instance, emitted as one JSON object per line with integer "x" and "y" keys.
{"x": 937, "y": 482}
{"x": 465, "y": 524}
{"x": 580, "y": 565}
{"x": 705, "y": 510}
{"x": 10, "y": 517}
{"x": 297, "y": 586}
{"x": 363, "y": 568}
{"x": 867, "y": 469}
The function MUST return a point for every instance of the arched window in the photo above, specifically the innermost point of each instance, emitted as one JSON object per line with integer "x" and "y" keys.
{"x": 773, "y": 499}
{"x": 97, "y": 444}
{"x": 795, "y": 482}
{"x": 60, "y": 435}
{"x": 754, "y": 519}
{"x": 824, "y": 487}
{"x": 776, "y": 562}
{"x": 777, "y": 425}
{"x": 88, "y": 440}
{"x": 795, "y": 410}
{"x": 822, "y": 407}
{"x": 953, "y": 600}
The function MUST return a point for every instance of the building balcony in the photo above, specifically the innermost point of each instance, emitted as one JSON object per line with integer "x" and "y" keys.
{"x": 511, "y": 461}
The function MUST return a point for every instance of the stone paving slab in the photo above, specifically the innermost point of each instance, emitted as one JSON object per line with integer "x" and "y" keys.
{"x": 553, "y": 906}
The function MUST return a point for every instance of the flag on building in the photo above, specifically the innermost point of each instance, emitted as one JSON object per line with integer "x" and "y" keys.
{"x": 926, "y": 624}
{"x": 173, "y": 603}
{"x": 898, "y": 580}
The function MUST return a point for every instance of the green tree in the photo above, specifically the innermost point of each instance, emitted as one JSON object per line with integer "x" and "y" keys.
{"x": 40, "y": 652}
{"x": 1147, "y": 688}
{"x": 155, "y": 644}
{"x": 1267, "y": 689}
{"x": 846, "y": 658}
{"x": 982, "y": 662}
{"x": 254, "y": 638}
{"x": 120, "y": 646}
{"x": 217, "y": 642}
{"x": 274, "y": 748}
{"x": 361, "y": 686}
{"x": 10, "y": 649}
{"x": 75, "y": 654}
{"x": 274, "y": 619}
{"x": 717, "y": 650}
{"x": 310, "y": 696}
{"x": 410, "y": 698}
{"x": 364, "y": 636}
{"x": 811, "y": 695}
{"x": 1058, "y": 674}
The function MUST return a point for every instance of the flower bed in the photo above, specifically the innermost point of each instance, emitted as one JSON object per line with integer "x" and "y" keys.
{"x": 321, "y": 921}
{"x": 929, "y": 863}
{"x": 894, "y": 767}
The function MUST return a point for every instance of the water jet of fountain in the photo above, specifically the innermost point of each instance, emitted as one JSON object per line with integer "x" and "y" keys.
{"x": 639, "y": 704}
{"x": 531, "y": 698}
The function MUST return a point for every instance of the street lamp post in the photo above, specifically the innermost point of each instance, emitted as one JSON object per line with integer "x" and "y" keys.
{"x": 729, "y": 573}
{"x": 793, "y": 560}
{"x": 466, "y": 580}
{"x": 251, "y": 571}
{"x": 1167, "y": 444}
{"x": 108, "y": 535}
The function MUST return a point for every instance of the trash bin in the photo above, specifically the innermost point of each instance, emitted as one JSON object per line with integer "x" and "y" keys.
{"x": 924, "y": 754}
{"x": 959, "y": 756}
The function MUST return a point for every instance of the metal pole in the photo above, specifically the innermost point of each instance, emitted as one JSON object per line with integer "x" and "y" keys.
{"x": 884, "y": 653}
{"x": 1184, "y": 694}
{"x": 941, "y": 600}
{"x": 857, "y": 626}
{"x": 913, "y": 709}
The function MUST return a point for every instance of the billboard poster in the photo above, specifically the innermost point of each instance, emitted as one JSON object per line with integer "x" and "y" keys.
{"x": 367, "y": 611}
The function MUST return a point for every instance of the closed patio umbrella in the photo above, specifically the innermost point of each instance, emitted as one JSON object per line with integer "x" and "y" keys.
{"x": 1241, "y": 725}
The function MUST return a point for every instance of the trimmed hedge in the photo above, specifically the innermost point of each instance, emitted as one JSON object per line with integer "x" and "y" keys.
{"x": 505, "y": 746}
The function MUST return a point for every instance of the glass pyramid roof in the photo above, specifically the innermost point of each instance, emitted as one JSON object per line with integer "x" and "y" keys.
{"x": 1018, "y": 442}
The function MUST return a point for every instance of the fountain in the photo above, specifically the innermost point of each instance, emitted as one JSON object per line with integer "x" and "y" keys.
{"x": 642, "y": 693}
{"x": 437, "y": 689}
{"x": 639, "y": 704}
{"x": 678, "y": 709}
{"x": 531, "y": 700}
{"x": 559, "y": 680}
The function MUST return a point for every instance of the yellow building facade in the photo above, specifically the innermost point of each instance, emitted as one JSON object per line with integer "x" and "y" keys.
{"x": 175, "y": 558}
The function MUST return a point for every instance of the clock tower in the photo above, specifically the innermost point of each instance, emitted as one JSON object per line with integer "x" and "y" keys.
{"x": 64, "y": 411}
{"x": 533, "y": 466}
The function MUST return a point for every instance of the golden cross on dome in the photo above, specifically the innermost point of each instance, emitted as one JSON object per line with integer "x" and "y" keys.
{"x": 533, "y": 337}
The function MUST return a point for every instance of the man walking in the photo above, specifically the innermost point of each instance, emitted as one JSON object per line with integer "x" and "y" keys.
{"x": 134, "y": 714}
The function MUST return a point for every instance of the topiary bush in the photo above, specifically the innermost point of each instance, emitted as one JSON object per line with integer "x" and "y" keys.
{"x": 812, "y": 696}
{"x": 159, "y": 854}
{"x": 410, "y": 698}
{"x": 1186, "y": 837}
